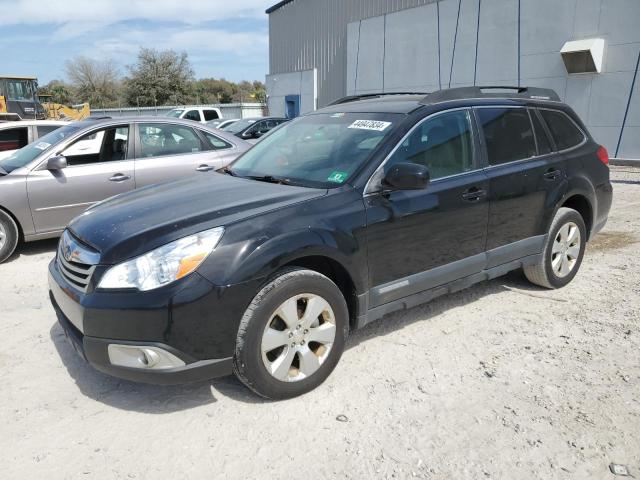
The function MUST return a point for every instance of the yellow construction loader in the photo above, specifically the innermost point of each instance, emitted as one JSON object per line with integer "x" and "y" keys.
{"x": 57, "y": 111}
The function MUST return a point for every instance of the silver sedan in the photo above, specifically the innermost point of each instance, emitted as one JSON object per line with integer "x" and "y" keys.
{"x": 49, "y": 182}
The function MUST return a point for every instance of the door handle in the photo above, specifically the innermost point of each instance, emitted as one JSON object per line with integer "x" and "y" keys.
{"x": 552, "y": 174}
{"x": 119, "y": 177}
{"x": 204, "y": 168}
{"x": 473, "y": 194}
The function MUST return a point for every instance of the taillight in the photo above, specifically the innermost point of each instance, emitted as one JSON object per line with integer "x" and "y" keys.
{"x": 603, "y": 155}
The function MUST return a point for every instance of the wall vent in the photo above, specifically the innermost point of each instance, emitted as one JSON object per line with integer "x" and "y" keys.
{"x": 583, "y": 56}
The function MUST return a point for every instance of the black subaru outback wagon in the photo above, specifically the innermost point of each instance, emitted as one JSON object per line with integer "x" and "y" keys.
{"x": 368, "y": 206}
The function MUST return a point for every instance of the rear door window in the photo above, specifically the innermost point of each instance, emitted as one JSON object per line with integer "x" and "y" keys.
{"x": 542, "y": 139}
{"x": 159, "y": 140}
{"x": 508, "y": 134}
{"x": 13, "y": 138}
{"x": 564, "y": 131}
{"x": 192, "y": 115}
{"x": 210, "y": 115}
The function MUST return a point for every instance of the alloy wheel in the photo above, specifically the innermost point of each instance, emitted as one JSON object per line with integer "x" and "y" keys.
{"x": 566, "y": 250}
{"x": 298, "y": 337}
{"x": 3, "y": 236}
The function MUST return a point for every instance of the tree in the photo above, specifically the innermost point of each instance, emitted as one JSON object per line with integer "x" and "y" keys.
{"x": 60, "y": 92}
{"x": 93, "y": 81}
{"x": 211, "y": 90}
{"x": 158, "y": 78}
{"x": 250, "y": 92}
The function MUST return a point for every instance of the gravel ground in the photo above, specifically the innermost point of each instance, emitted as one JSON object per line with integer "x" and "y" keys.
{"x": 503, "y": 380}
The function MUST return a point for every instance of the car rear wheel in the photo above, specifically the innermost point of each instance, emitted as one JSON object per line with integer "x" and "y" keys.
{"x": 8, "y": 236}
{"x": 563, "y": 252}
{"x": 292, "y": 335}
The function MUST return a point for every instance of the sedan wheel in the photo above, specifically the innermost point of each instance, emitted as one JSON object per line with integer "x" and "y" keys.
{"x": 8, "y": 236}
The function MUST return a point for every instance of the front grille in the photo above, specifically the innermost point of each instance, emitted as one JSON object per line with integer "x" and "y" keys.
{"x": 76, "y": 262}
{"x": 77, "y": 274}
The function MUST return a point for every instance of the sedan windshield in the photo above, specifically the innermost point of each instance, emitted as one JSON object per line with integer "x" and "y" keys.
{"x": 175, "y": 113}
{"x": 26, "y": 155}
{"x": 320, "y": 150}
{"x": 239, "y": 126}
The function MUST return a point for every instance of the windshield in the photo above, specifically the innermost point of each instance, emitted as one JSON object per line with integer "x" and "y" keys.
{"x": 320, "y": 150}
{"x": 175, "y": 113}
{"x": 27, "y": 154}
{"x": 20, "y": 90}
{"x": 240, "y": 125}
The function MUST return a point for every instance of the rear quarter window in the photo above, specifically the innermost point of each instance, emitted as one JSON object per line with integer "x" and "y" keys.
{"x": 565, "y": 133}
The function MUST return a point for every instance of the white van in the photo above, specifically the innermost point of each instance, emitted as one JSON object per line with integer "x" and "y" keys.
{"x": 197, "y": 114}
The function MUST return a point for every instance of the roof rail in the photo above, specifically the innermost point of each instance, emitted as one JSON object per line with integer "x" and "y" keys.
{"x": 490, "y": 92}
{"x": 366, "y": 96}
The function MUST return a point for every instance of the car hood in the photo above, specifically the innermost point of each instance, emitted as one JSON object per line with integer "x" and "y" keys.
{"x": 131, "y": 224}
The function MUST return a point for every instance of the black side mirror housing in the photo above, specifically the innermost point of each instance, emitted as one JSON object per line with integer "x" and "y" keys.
{"x": 57, "y": 162}
{"x": 257, "y": 134}
{"x": 406, "y": 176}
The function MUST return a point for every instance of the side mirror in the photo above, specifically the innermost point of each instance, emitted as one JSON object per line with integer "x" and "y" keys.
{"x": 407, "y": 176}
{"x": 57, "y": 163}
{"x": 257, "y": 134}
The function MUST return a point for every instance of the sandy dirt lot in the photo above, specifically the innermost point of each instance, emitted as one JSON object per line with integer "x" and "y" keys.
{"x": 503, "y": 380}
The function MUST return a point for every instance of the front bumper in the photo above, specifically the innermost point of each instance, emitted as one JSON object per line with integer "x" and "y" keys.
{"x": 195, "y": 321}
{"x": 94, "y": 351}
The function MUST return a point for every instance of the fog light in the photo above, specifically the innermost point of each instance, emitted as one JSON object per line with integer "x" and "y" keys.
{"x": 145, "y": 357}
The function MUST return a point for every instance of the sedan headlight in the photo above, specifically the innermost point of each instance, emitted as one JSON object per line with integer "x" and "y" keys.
{"x": 163, "y": 265}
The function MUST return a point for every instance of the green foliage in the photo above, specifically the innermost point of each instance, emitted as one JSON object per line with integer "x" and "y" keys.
{"x": 158, "y": 78}
{"x": 60, "y": 92}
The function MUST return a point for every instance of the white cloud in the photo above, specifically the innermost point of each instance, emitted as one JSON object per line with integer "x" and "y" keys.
{"x": 105, "y": 12}
{"x": 120, "y": 42}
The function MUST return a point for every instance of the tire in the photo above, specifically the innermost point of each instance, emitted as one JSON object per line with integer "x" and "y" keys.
{"x": 8, "y": 236}
{"x": 562, "y": 254}
{"x": 310, "y": 353}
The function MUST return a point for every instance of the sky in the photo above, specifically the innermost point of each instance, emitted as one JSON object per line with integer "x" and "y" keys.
{"x": 224, "y": 38}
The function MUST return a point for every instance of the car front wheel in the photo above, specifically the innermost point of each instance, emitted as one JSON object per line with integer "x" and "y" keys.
{"x": 8, "y": 236}
{"x": 291, "y": 335}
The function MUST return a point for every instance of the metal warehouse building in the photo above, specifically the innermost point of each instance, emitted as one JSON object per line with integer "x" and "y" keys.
{"x": 586, "y": 50}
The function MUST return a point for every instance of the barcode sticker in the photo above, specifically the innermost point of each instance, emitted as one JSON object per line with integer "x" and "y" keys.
{"x": 376, "y": 125}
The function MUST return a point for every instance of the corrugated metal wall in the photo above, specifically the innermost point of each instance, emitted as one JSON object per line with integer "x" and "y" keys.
{"x": 298, "y": 34}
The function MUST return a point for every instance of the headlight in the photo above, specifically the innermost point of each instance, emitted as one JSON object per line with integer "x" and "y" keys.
{"x": 163, "y": 265}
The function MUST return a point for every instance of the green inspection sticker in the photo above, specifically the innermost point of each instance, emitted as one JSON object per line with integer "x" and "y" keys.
{"x": 337, "y": 177}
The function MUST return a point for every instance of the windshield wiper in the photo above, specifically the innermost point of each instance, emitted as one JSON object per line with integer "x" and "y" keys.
{"x": 270, "y": 179}
{"x": 228, "y": 171}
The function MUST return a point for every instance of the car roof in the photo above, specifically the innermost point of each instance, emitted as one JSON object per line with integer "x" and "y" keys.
{"x": 105, "y": 122}
{"x": 28, "y": 123}
{"x": 402, "y": 103}
{"x": 390, "y": 102}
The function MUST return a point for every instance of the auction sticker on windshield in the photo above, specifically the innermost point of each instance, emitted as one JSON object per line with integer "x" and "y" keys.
{"x": 42, "y": 145}
{"x": 337, "y": 177}
{"x": 376, "y": 125}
